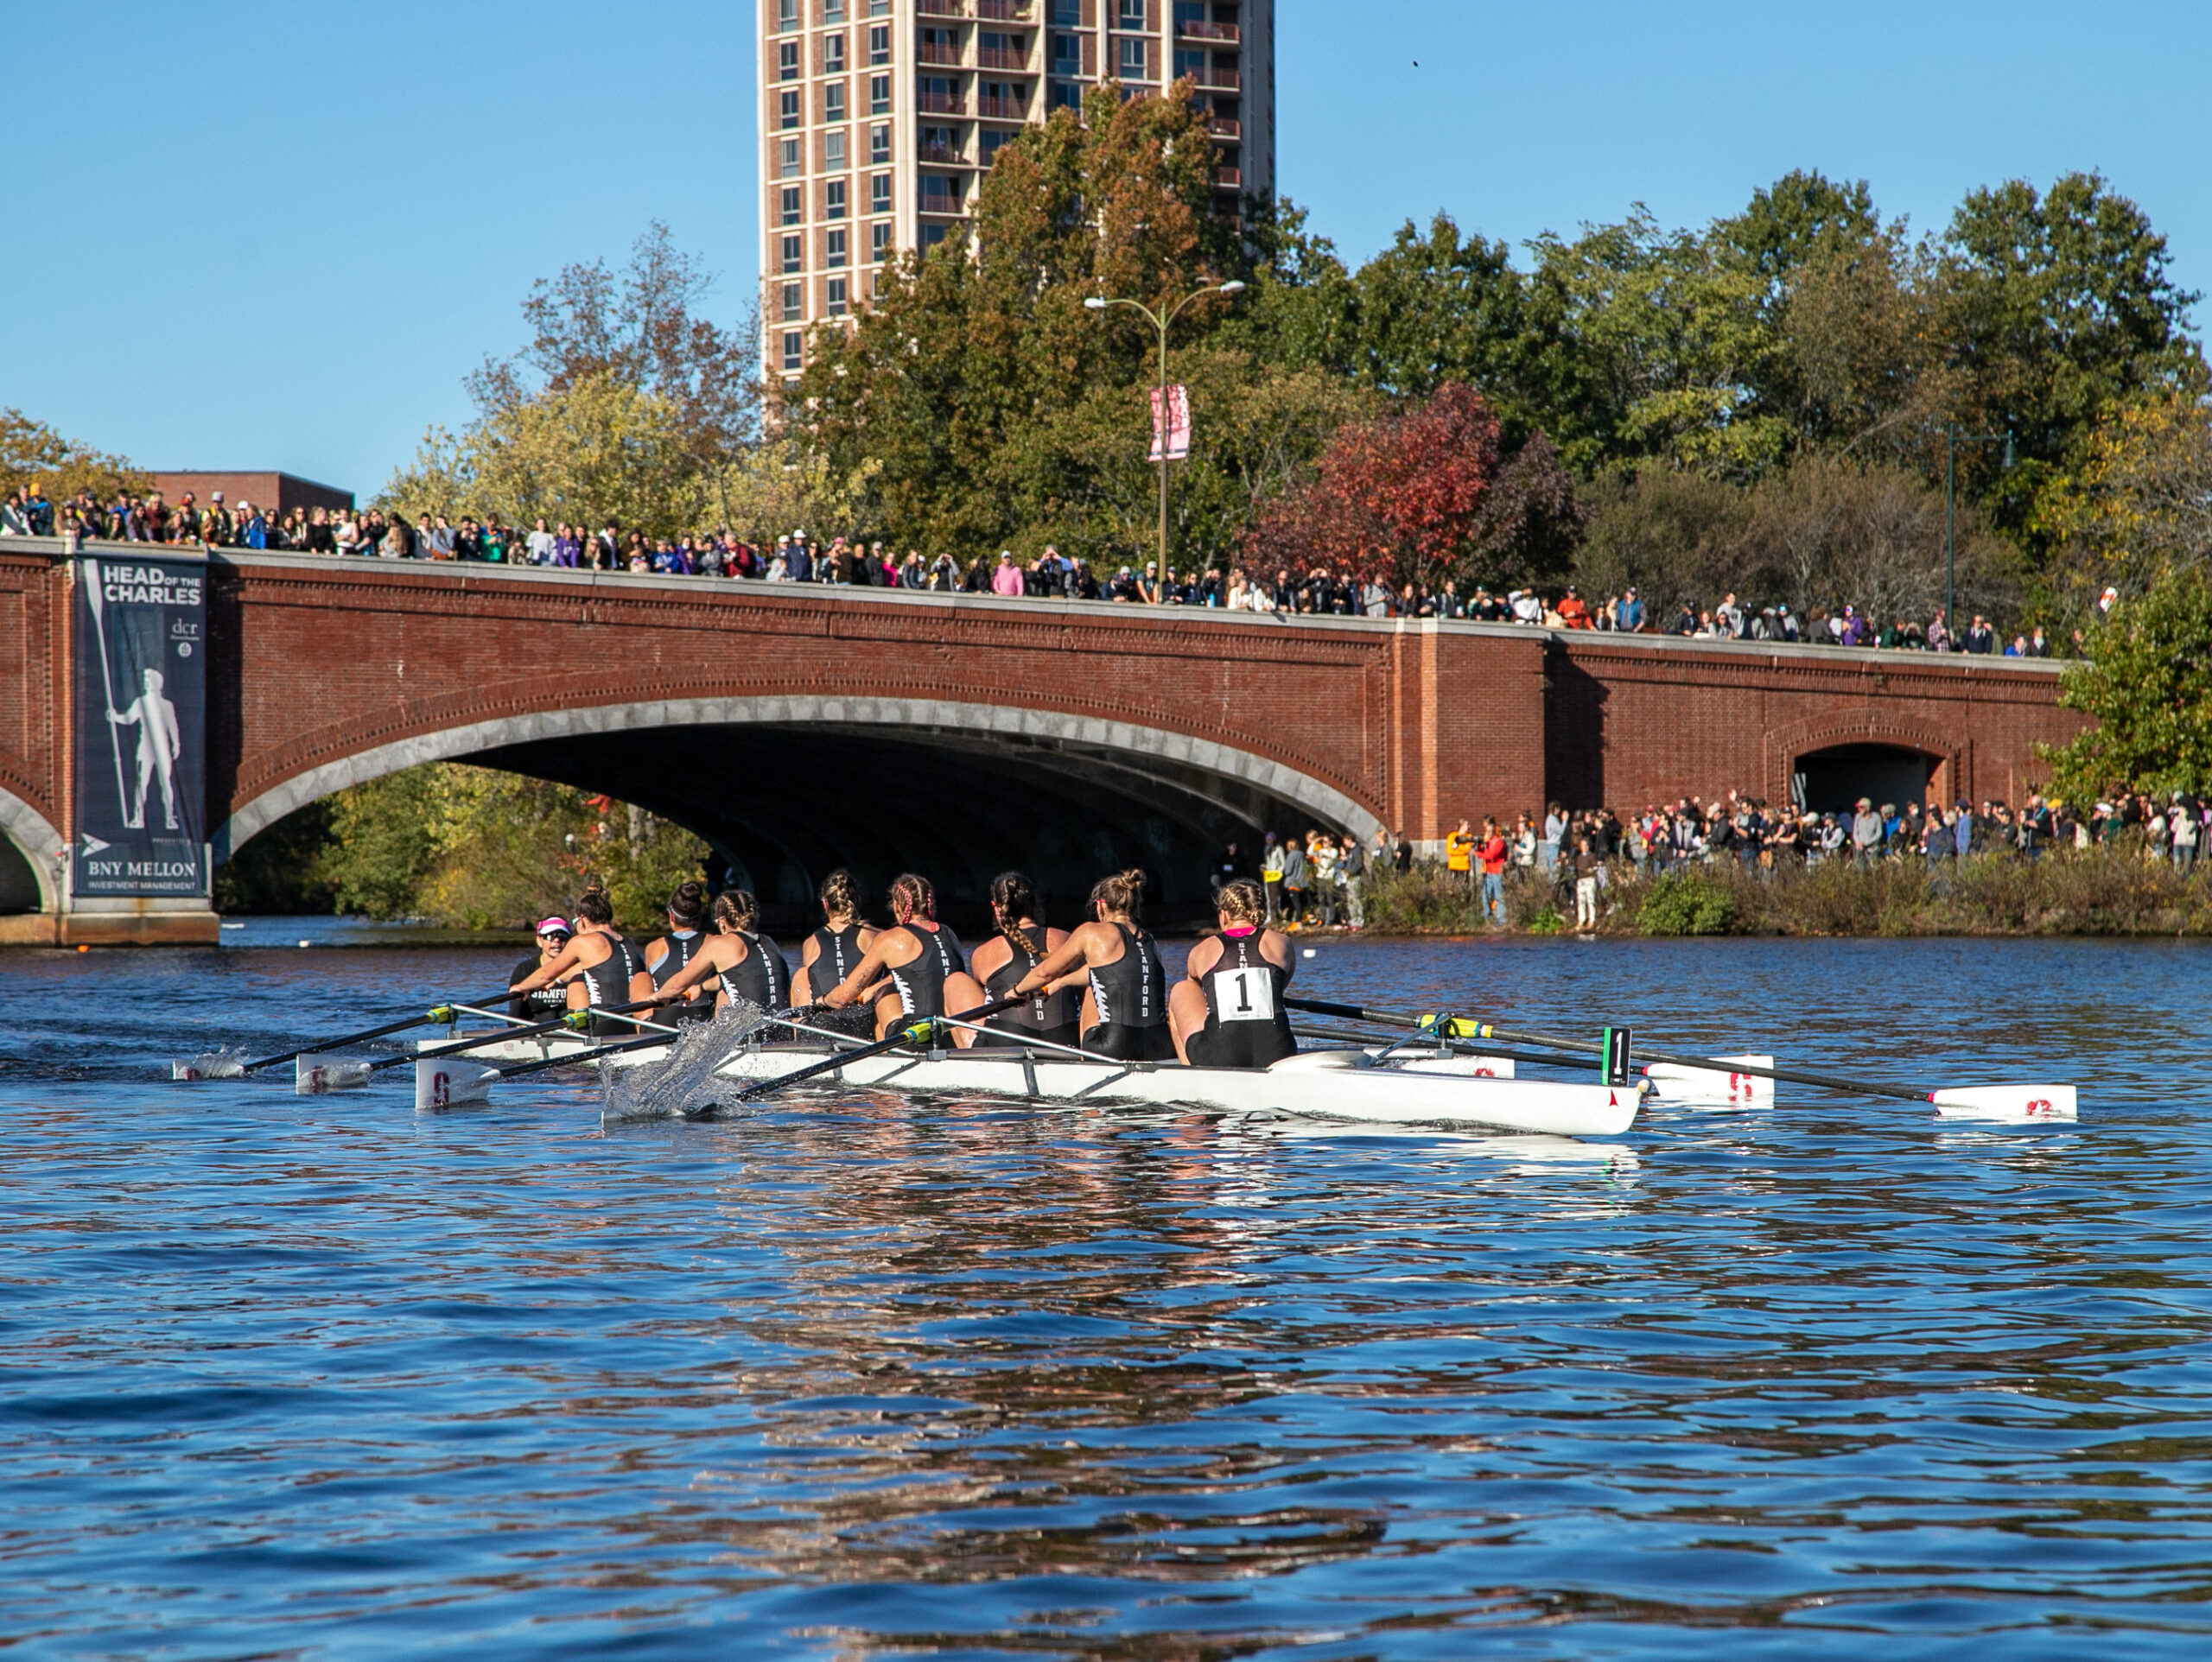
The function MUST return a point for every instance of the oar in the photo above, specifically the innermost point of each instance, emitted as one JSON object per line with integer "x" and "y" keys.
{"x": 913, "y": 1033}
{"x": 318, "y": 1073}
{"x": 439, "y": 1086}
{"x": 1958, "y": 1102}
{"x": 218, "y": 1065}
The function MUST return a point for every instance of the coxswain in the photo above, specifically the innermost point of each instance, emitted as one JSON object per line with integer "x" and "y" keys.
{"x": 838, "y": 946}
{"x": 602, "y": 969}
{"x": 1125, "y": 1009}
{"x": 735, "y": 962}
{"x": 666, "y": 954}
{"x": 1020, "y": 945}
{"x": 547, "y": 1002}
{"x": 929, "y": 974}
{"x": 1228, "y": 1011}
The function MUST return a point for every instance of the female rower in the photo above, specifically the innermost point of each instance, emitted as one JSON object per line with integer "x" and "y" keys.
{"x": 666, "y": 954}
{"x": 1229, "y": 1013}
{"x": 1125, "y": 1011}
{"x": 928, "y": 976}
{"x": 1020, "y": 945}
{"x": 734, "y": 961}
{"x": 838, "y": 946}
{"x": 547, "y": 1002}
{"x": 601, "y": 968}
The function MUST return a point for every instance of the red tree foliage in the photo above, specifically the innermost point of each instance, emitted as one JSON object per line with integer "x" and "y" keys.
{"x": 1423, "y": 495}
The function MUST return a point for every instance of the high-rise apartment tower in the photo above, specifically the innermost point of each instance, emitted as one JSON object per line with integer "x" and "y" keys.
{"x": 879, "y": 117}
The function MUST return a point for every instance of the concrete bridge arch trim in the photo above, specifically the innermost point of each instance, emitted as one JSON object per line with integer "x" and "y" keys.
{"x": 458, "y": 743}
{"x": 41, "y": 844}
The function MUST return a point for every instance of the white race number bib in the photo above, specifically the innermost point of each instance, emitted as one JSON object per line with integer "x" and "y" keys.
{"x": 1243, "y": 995}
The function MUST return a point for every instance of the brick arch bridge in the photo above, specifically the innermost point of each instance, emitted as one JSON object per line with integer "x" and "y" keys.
{"x": 797, "y": 728}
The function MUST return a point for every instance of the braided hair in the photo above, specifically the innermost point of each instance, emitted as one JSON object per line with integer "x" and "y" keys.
{"x": 735, "y": 908}
{"x": 1014, "y": 897}
{"x": 912, "y": 897}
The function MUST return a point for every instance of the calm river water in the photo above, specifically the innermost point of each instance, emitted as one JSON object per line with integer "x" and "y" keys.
{"x": 864, "y": 1376}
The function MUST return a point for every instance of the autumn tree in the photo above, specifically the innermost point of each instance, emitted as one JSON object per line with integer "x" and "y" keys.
{"x": 33, "y": 454}
{"x": 1425, "y": 495}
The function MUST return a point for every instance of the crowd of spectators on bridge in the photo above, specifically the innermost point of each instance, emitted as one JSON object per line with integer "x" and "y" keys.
{"x": 798, "y": 558}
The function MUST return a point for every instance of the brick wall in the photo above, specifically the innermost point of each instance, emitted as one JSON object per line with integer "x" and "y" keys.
{"x": 313, "y": 660}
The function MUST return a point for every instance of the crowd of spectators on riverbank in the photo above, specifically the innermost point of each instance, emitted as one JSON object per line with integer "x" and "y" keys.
{"x": 798, "y": 558}
{"x": 1322, "y": 881}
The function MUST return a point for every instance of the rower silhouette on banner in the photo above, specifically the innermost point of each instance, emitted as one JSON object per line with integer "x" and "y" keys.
{"x": 141, "y": 689}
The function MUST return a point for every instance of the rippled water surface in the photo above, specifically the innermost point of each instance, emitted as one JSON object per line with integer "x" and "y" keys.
{"x": 863, "y": 1376}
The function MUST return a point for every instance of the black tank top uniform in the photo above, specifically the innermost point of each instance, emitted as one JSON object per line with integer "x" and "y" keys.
{"x": 1055, "y": 1018}
{"x": 542, "y": 1004}
{"x": 1131, "y": 994}
{"x": 1246, "y": 1024}
{"x": 764, "y": 979}
{"x": 608, "y": 982}
{"x": 682, "y": 946}
{"x": 836, "y": 954}
{"x": 921, "y": 983}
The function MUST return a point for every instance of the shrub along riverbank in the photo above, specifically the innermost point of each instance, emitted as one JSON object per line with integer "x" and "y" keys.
{"x": 2098, "y": 892}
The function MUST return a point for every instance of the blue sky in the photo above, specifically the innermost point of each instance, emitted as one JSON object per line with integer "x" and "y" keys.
{"x": 277, "y": 235}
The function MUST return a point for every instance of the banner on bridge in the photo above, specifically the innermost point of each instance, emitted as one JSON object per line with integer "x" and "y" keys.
{"x": 141, "y": 749}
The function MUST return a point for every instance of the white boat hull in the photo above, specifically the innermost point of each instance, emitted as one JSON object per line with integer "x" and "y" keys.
{"x": 1331, "y": 1085}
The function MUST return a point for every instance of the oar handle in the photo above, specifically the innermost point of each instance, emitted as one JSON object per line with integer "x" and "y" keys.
{"x": 436, "y": 1013}
{"x": 517, "y": 1069}
{"x": 910, "y": 1033}
{"x": 1465, "y": 1027}
{"x": 572, "y": 1019}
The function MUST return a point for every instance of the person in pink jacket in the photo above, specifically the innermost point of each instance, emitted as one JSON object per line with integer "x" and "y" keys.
{"x": 1007, "y": 579}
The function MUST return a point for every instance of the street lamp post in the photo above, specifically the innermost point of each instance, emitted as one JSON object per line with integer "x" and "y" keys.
{"x": 1160, "y": 320}
{"x": 1953, "y": 437}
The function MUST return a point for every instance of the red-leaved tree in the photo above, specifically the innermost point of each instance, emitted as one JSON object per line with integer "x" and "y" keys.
{"x": 1424, "y": 495}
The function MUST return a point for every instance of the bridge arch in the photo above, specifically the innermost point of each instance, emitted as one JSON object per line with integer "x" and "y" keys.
{"x": 786, "y": 786}
{"x": 31, "y": 861}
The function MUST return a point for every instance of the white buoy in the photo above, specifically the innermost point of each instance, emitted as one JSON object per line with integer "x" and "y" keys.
{"x": 303, "y": 943}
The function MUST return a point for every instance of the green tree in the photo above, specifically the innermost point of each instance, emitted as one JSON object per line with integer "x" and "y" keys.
{"x": 626, "y": 405}
{"x": 977, "y": 381}
{"x": 33, "y": 454}
{"x": 2147, "y": 680}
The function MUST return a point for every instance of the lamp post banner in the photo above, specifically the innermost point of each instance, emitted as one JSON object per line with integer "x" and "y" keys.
{"x": 1171, "y": 426}
{"x": 140, "y": 747}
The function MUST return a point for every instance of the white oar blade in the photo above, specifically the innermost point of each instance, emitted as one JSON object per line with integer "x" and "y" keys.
{"x": 219, "y": 1064}
{"x": 2013, "y": 1103}
{"x": 1713, "y": 1087}
{"x": 449, "y": 1082}
{"x": 312, "y": 1075}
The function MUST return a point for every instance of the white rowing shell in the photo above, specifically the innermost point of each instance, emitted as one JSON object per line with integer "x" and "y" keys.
{"x": 1338, "y": 1085}
{"x": 1466, "y": 1067}
{"x": 1713, "y": 1087}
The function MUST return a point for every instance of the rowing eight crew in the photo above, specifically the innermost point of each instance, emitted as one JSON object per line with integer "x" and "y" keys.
{"x": 1100, "y": 987}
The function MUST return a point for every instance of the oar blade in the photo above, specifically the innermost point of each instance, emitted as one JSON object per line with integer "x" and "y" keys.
{"x": 314, "y": 1074}
{"x": 1713, "y": 1087}
{"x": 449, "y": 1082}
{"x": 215, "y": 1064}
{"x": 2009, "y": 1104}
